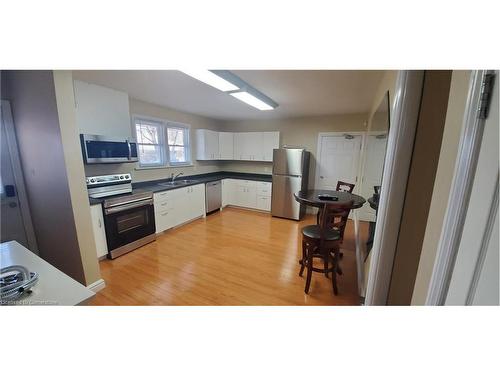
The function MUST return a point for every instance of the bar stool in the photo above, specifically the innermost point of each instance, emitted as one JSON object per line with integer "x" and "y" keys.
{"x": 323, "y": 241}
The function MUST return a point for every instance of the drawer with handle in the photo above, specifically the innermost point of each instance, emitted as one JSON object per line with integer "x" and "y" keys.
{"x": 161, "y": 196}
{"x": 264, "y": 188}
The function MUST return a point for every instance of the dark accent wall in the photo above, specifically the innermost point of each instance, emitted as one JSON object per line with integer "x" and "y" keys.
{"x": 423, "y": 168}
{"x": 35, "y": 115}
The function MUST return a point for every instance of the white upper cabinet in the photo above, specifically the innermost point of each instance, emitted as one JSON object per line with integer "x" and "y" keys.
{"x": 207, "y": 144}
{"x": 248, "y": 146}
{"x": 226, "y": 146}
{"x": 102, "y": 111}
{"x": 270, "y": 141}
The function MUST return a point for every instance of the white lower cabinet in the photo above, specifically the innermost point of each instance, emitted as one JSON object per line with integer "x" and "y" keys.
{"x": 246, "y": 193}
{"x": 228, "y": 191}
{"x": 99, "y": 230}
{"x": 263, "y": 203}
{"x": 178, "y": 206}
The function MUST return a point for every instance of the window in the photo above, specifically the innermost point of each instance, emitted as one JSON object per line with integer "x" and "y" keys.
{"x": 162, "y": 143}
{"x": 177, "y": 145}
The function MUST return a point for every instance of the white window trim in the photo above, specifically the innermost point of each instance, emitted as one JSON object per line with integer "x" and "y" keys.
{"x": 165, "y": 146}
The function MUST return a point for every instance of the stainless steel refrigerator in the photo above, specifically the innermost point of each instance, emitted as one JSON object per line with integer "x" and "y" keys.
{"x": 290, "y": 175}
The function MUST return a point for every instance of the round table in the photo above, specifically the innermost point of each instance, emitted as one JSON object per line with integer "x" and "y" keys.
{"x": 310, "y": 198}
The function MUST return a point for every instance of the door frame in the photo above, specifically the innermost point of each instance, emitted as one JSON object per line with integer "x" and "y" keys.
{"x": 339, "y": 134}
{"x": 403, "y": 119}
{"x": 458, "y": 200}
{"x": 15, "y": 160}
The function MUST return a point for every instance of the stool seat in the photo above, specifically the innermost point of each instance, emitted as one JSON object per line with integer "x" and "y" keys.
{"x": 314, "y": 232}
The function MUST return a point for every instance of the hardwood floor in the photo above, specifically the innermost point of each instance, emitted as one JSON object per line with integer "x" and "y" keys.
{"x": 233, "y": 257}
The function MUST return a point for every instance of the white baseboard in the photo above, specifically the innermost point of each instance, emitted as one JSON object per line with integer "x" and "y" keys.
{"x": 97, "y": 285}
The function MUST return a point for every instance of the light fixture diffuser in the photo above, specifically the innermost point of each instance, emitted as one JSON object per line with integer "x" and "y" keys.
{"x": 252, "y": 100}
{"x": 211, "y": 79}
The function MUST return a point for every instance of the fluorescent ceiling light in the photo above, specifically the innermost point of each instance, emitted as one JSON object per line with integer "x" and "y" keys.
{"x": 252, "y": 100}
{"x": 211, "y": 79}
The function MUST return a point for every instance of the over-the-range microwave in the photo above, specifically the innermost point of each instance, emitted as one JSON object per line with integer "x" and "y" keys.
{"x": 99, "y": 149}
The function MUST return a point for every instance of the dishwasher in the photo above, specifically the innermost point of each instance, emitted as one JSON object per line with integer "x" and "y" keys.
{"x": 213, "y": 196}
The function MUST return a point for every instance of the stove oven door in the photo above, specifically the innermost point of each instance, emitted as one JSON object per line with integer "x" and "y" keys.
{"x": 129, "y": 226}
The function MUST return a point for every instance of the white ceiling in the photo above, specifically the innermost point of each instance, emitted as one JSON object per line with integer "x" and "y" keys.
{"x": 299, "y": 93}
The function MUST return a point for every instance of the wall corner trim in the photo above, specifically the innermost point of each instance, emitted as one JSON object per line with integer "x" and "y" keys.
{"x": 97, "y": 286}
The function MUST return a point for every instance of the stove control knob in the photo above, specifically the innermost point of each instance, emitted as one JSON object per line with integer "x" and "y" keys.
{"x": 121, "y": 177}
{"x": 92, "y": 180}
{"x": 127, "y": 177}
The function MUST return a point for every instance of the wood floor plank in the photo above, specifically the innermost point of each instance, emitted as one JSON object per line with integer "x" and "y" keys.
{"x": 232, "y": 257}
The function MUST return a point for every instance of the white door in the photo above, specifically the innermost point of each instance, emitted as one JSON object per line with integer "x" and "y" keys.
{"x": 226, "y": 146}
{"x": 338, "y": 160}
{"x": 475, "y": 276}
{"x": 15, "y": 215}
{"x": 372, "y": 172}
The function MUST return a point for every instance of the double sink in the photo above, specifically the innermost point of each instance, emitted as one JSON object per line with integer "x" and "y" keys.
{"x": 176, "y": 183}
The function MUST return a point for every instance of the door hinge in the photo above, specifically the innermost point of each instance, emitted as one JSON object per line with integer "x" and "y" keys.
{"x": 486, "y": 94}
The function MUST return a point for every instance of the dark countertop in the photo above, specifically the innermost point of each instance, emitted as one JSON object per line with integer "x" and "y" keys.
{"x": 154, "y": 187}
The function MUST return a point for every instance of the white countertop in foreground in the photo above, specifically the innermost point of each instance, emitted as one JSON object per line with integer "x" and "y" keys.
{"x": 53, "y": 288}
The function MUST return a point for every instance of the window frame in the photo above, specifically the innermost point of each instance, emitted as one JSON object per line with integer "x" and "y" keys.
{"x": 186, "y": 145}
{"x": 164, "y": 125}
{"x": 161, "y": 143}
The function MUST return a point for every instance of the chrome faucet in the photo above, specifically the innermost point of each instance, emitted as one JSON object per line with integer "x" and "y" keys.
{"x": 177, "y": 175}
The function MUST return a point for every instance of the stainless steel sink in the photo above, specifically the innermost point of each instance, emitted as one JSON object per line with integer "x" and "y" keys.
{"x": 176, "y": 183}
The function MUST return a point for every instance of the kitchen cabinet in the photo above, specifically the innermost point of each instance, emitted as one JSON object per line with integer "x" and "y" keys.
{"x": 226, "y": 146}
{"x": 228, "y": 191}
{"x": 207, "y": 144}
{"x": 164, "y": 213}
{"x": 270, "y": 141}
{"x": 263, "y": 203}
{"x": 99, "y": 230}
{"x": 178, "y": 206}
{"x": 248, "y": 146}
{"x": 246, "y": 193}
{"x": 264, "y": 196}
{"x": 102, "y": 111}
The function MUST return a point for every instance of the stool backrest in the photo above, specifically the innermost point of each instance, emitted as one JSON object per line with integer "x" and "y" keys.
{"x": 333, "y": 215}
{"x": 345, "y": 186}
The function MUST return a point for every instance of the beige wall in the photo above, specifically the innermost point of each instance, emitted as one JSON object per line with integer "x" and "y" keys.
{"x": 442, "y": 184}
{"x": 63, "y": 83}
{"x": 44, "y": 156}
{"x": 138, "y": 107}
{"x": 301, "y": 132}
{"x": 418, "y": 195}
{"x": 387, "y": 83}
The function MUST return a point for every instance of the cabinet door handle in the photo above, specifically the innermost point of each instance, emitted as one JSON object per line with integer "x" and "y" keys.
{"x": 99, "y": 223}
